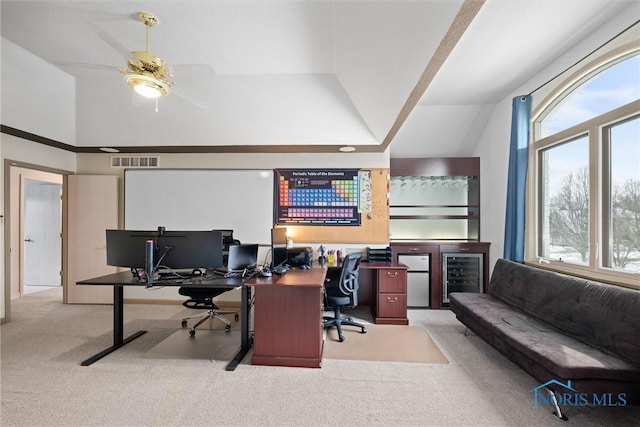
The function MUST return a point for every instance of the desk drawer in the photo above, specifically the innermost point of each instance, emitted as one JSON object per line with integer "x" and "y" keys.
{"x": 392, "y": 280}
{"x": 392, "y": 305}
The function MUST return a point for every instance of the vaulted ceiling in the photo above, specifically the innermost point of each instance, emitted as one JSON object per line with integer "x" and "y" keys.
{"x": 420, "y": 77}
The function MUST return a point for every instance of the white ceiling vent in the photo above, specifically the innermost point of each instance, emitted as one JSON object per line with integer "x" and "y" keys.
{"x": 135, "y": 162}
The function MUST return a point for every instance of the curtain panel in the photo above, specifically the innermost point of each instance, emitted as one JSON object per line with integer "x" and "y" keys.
{"x": 517, "y": 176}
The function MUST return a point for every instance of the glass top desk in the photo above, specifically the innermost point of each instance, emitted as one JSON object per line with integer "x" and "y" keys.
{"x": 126, "y": 278}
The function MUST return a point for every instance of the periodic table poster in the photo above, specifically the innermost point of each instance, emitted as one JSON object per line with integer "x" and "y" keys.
{"x": 317, "y": 197}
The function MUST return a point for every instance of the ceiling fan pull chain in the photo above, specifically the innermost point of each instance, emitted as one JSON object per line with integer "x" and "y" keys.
{"x": 156, "y": 105}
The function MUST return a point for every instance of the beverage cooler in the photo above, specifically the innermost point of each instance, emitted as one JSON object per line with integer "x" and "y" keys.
{"x": 461, "y": 272}
{"x": 418, "y": 265}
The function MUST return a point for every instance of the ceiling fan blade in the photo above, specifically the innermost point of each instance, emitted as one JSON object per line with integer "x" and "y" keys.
{"x": 194, "y": 83}
{"x": 110, "y": 40}
{"x": 100, "y": 67}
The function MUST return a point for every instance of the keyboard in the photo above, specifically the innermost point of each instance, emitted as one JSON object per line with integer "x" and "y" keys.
{"x": 172, "y": 275}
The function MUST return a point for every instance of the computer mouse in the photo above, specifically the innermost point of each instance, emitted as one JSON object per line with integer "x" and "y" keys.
{"x": 265, "y": 273}
{"x": 304, "y": 267}
{"x": 279, "y": 269}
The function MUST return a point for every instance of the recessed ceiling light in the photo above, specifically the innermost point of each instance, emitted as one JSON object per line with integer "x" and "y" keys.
{"x": 347, "y": 149}
{"x": 109, "y": 150}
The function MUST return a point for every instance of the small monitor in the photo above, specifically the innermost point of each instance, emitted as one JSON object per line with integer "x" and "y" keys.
{"x": 242, "y": 256}
{"x": 278, "y": 246}
{"x": 227, "y": 240}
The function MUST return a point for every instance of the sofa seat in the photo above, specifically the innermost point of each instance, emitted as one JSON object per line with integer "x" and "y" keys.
{"x": 510, "y": 329}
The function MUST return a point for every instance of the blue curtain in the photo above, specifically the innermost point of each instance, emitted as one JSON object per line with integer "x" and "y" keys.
{"x": 518, "y": 162}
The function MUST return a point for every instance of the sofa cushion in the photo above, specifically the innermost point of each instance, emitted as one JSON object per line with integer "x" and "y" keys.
{"x": 600, "y": 315}
{"x": 558, "y": 353}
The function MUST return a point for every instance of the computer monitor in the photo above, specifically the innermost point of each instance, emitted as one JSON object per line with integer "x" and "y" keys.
{"x": 242, "y": 256}
{"x": 126, "y": 248}
{"x": 278, "y": 246}
{"x": 175, "y": 250}
{"x": 227, "y": 240}
{"x": 179, "y": 250}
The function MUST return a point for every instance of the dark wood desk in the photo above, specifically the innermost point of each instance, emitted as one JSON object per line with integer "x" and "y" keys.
{"x": 125, "y": 278}
{"x": 288, "y": 318}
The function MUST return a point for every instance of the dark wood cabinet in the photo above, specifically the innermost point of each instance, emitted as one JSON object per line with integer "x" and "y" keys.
{"x": 388, "y": 284}
{"x": 435, "y": 212}
{"x": 288, "y": 319}
{"x": 436, "y": 250}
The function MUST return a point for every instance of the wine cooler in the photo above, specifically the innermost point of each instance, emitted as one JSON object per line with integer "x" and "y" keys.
{"x": 461, "y": 272}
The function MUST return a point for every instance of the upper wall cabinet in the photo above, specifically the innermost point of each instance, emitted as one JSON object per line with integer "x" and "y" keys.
{"x": 435, "y": 199}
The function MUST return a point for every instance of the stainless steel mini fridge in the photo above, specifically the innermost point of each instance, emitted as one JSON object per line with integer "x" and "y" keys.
{"x": 461, "y": 273}
{"x": 417, "y": 279}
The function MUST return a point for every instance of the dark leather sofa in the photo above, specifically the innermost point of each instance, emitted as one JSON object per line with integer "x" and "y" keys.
{"x": 559, "y": 327}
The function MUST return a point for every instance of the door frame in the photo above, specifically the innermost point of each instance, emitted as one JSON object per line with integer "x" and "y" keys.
{"x": 13, "y": 223}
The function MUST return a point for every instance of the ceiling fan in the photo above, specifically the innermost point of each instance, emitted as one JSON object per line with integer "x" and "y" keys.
{"x": 146, "y": 73}
{"x": 149, "y": 75}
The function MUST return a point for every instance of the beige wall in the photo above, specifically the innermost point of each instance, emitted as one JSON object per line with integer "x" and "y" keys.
{"x": 22, "y": 151}
{"x": 101, "y": 164}
{"x": 33, "y": 153}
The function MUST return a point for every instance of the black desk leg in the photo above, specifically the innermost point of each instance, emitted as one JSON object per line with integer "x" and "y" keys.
{"x": 245, "y": 342}
{"x": 118, "y": 328}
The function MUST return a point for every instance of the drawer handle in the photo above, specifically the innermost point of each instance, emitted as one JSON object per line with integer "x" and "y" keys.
{"x": 395, "y": 274}
{"x": 389, "y": 299}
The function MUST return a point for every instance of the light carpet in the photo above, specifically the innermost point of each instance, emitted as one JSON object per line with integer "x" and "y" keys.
{"x": 384, "y": 343}
{"x": 207, "y": 344}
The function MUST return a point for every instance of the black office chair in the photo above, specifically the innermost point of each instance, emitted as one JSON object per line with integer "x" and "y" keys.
{"x": 341, "y": 292}
{"x": 202, "y": 299}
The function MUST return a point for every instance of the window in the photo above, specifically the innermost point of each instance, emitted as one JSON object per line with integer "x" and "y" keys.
{"x": 621, "y": 210}
{"x": 565, "y": 195}
{"x": 586, "y": 169}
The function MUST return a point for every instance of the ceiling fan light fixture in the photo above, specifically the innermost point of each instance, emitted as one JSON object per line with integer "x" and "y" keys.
{"x": 147, "y": 86}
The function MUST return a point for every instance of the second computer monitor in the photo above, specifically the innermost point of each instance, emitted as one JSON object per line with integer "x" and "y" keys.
{"x": 189, "y": 249}
{"x": 242, "y": 256}
{"x": 278, "y": 246}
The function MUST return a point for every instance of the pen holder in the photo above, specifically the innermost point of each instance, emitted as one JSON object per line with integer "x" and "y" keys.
{"x": 331, "y": 259}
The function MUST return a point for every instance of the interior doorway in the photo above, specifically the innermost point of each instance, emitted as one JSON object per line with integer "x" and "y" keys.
{"x": 34, "y": 228}
{"x": 41, "y": 222}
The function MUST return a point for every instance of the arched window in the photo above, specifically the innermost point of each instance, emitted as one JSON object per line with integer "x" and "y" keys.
{"x": 605, "y": 91}
{"x": 586, "y": 157}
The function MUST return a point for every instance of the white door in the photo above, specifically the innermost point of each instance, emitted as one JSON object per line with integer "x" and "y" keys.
{"x": 92, "y": 208}
{"x": 42, "y": 228}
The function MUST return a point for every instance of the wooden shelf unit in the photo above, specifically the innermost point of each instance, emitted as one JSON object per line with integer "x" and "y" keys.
{"x": 435, "y": 198}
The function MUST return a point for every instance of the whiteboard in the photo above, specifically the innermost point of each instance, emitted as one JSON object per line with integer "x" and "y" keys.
{"x": 201, "y": 199}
